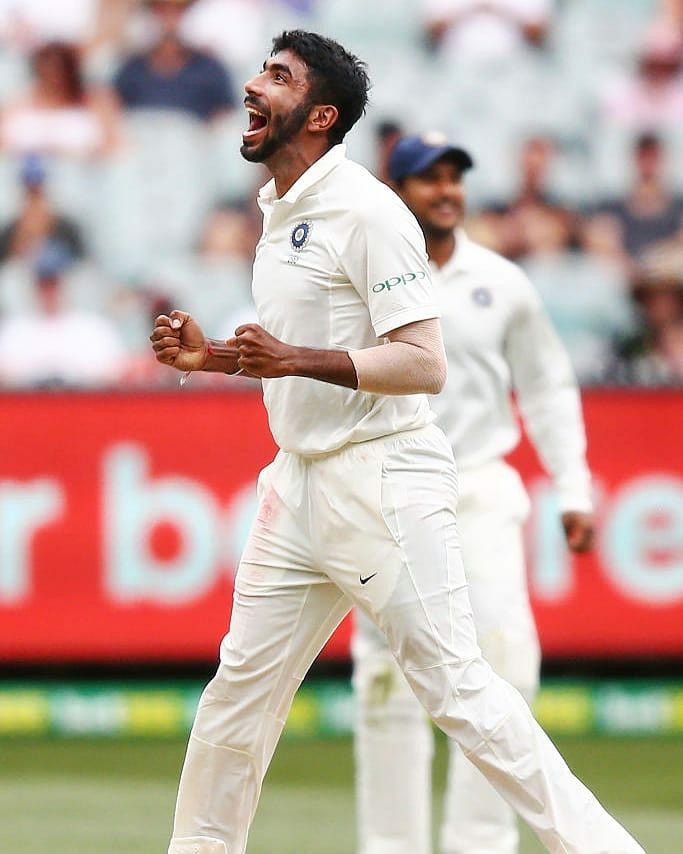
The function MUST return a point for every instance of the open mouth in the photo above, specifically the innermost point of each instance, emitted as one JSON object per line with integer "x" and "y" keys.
{"x": 258, "y": 123}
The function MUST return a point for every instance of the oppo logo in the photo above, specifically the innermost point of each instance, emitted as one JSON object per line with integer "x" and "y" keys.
{"x": 393, "y": 281}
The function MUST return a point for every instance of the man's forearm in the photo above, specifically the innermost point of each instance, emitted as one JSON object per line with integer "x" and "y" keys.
{"x": 262, "y": 355}
{"x": 413, "y": 362}
{"x": 328, "y": 366}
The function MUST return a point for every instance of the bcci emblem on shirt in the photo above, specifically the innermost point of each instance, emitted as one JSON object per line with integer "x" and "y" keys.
{"x": 482, "y": 297}
{"x": 300, "y": 234}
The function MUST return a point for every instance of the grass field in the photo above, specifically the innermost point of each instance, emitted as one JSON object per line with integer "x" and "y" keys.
{"x": 92, "y": 797}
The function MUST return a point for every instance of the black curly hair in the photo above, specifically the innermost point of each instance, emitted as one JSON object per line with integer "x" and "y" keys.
{"x": 336, "y": 76}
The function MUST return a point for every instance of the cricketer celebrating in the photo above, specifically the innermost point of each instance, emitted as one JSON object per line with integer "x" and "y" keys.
{"x": 358, "y": 506}
{"x": 497, "y": 338}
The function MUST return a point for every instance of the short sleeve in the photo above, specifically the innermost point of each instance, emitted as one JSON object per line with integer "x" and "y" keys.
{"x": 385, "y": 259}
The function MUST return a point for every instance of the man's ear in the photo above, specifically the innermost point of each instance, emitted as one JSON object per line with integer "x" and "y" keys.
{"x": 322, "y": 118}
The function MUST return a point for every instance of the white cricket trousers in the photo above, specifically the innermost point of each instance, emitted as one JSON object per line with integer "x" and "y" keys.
{"x": 371, "y": 525}
{"x": 394, "y": 743}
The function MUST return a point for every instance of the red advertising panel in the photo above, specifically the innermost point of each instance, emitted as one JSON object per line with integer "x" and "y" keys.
{"x": 627, "y": 597}
{"x": 122, "y": 518}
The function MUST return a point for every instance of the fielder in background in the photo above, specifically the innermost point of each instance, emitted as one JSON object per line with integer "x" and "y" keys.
{"x": 498, "y": 339}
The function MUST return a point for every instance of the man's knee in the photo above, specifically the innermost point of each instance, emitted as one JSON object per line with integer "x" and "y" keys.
{"x": 464, "y": 699}
{"x": 197, "y": 845}
{"x": 228, "y": 714}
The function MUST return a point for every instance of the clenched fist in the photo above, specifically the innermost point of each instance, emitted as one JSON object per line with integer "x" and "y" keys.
{"x": 261, "y": 355}
{"x": 178, "y": 341}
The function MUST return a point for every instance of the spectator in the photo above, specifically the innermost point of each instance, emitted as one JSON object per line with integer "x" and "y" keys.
{"x": 38, "y": 222}
{"x": 172, "y": 75}
{"x": 133, "y": 311}
{"x": 671, "y": 11}
{"x": 28, "y": 23}
{"x": 505, "y": 226}
{"x": 387, "y": 134}
{"x": 67, "y": 346}
{"x": 648, "y": 215}
{"x": 228, "y": 233}
{"x": 210, "y": 25}
{"x": 59, "y": 115}
{"x": 213, "y": 281}
{"x": 585, "y": 296}
{"x": 486, "y": 29}
{"x": 654, "y": 355}
{"x": 653, "y": 96}
{"x": 226, "y": 251}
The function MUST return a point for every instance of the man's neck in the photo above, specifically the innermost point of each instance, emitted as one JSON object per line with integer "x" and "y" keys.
{"x": 440, "y": 248}
{"x": 169, "y": 56}
{"x": 290, "y": 163}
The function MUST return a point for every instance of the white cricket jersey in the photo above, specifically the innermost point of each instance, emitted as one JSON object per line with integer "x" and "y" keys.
{"x": 498, "y": 339}
{"x": 341, "y": 263}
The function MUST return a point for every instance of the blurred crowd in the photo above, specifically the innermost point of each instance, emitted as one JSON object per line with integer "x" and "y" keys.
{"x": 122, "y": 191}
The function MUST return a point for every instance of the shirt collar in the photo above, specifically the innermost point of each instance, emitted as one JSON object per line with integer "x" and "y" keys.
{"x": 457, "y": 263}
{"x": 316, "y": 172}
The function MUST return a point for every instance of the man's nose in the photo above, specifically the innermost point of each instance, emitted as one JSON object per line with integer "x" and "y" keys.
{"x": 253, "y": 86}
{"x": 449, "y": 190}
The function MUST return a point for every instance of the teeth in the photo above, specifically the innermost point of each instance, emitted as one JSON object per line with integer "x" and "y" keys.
{"x": 257, "y": 122}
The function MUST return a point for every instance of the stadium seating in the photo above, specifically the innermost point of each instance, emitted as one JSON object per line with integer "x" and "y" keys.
{"x": 587, "y": 35}
{"x": 155, "y": 193}
{"x": 142, "y": 208}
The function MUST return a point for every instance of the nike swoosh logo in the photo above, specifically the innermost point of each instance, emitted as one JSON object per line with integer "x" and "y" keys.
{"x": 365, "y": 580}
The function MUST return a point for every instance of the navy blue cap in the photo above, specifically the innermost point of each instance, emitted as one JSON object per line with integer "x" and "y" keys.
{"x": 33, "y": 170}
{"x": 413, "y": 154}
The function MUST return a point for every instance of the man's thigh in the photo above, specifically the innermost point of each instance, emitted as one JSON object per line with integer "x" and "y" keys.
{"x": 280, "y": 620}
{"x": 388, "y": 512}
{"x": 284, "y": 607}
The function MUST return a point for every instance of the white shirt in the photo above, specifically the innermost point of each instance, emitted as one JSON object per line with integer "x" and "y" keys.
{"x": 488, "y": 30}
{"x": 67, "y": 130}
{"x": 26, "y": 23}
{"x": 75, "y": 348}
{"x": 498, "y": 339}
{"x": 341, "y": 263}
{"x": 210, "y": 25}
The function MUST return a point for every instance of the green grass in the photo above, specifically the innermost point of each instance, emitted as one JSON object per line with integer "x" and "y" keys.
{"x": 92, "y": 797}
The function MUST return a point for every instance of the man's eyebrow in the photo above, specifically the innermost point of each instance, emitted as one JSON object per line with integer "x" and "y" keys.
{"x": 277, "y": 66}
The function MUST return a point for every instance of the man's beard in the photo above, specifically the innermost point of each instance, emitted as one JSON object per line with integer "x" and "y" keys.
{"x": 435, "y": 232}
{"x": 283, "y": 130}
